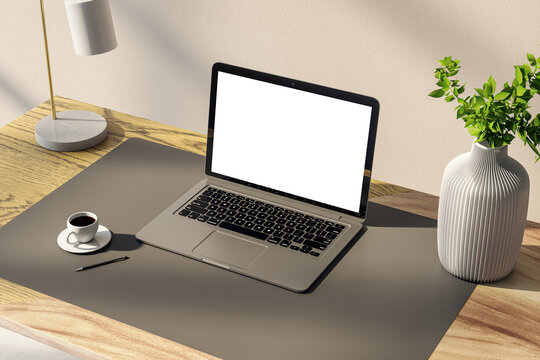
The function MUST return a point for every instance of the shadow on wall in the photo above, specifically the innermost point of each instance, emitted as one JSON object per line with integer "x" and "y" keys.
{"x": 163, "y": 40}
{"x": 15, "y": 95}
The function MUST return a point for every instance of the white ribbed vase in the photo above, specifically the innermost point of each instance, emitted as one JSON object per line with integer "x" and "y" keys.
{"x": 482, "y": 212}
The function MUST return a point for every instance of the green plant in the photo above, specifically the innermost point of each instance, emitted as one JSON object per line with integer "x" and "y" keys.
{"x": 495, "y": 117}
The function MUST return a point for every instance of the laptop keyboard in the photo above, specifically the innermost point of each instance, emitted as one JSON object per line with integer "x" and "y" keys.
{"x": 273, "y": 224}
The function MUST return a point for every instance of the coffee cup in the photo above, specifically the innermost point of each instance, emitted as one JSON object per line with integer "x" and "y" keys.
{"x": 82, "y": 226}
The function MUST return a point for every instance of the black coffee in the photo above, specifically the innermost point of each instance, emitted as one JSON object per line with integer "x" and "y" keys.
{"x": 82, "y": 221}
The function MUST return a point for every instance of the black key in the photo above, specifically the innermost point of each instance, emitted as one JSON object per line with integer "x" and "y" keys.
{"x": 211, "y": 213}
{"x": 311, "y": 230}
{"x": 262, "y": 215}
{"x": 281, "y": 221}
{"x": 243, "y": 230}
{"x": 320, "y": 226}
{"x": 252, "y": 212}
{"x": 230, "y": 194}
{"x": 321, "y": 233}
{"x": 308, "y": 236}
{"x": 234, "y": 207}
{"x": 203, "y": 218}
{"x": 288, "y": 230}
{"x": 269, "y": 206}
{"x": 240, "y": 197}
{"x": 272, "y": 212}
{"x": 285, "y": 243}
{"x": 314, "y": 245}
{"x": 301, "y": 220}
{"x": 279, "y": 227}
{"x": 279, "y": 233}
{"x": 274, "y": 240}
{"x": 305, "y": 250}
{"x": 226, "y": 198}
{"x": 294, "y": 247}
{"x": 249, "y": 225}
{"x": 281, "y": 214}
{"x": 184, "y": 212}
{"x": 240, "y": 215}
{"x": 301, "y": 227}
{"x": 196, "y": 209}
{"x": 235, "y": 201}
{"x": 225, "y": 204}
{"x": 259, "y": 202}
{"x": 207, "y": 193}
{"x": 211, "y": 189}
{"x": 314, "y": 253}
{"x": 213, "y": 221}
{"x": 334, "y": 230}
{"x": 319, "y": 220}
{"x": 258, "y": 228}
{"x": 308, "y": 217}
{"x": 271, "y": 218}
{"x": 216, "y": 195}
{"x": 311, "y": 223}
{"x": 221, "y": 210}
{"x": 289, "y": 211}
{"x": 250, "y": 218}
{"x": 298, "y": 232}
{"x": 253, "y": 206}
{"x": 288, "y": 236}
{"x": 231, "y": 213}
{"x": 268, "y": 230}
{"x": 279, "y": 208}
{"x": 220, "y": 216}
{"x": 219, "y": 191}
{"x": 329, "y": 223}
{"x": 243, "y": 210}
{"x": 243, "y": 203}
{"x": 240, "y": 222}
{"x": 259, "y": 221}
{"x": 298, "y": 240}
{"x": 291, "y": 224}
{"x": 269, "y": 224}
{"x": 204, "y": 198}
{"x": 229, "y": 218}
{"x": 331, "y": 236}
{"x": 215, "y": 202}
{"x": 193, "y": 215}
{"x": 291, "y": 217}
{"x": 212, "y": 207}
{"x": 262, "y": 209}
{"x": 322, "y": 240}
{"x": 297, "y": 214}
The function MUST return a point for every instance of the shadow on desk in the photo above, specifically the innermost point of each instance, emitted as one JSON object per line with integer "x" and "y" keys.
{"x": 525, "y": 274}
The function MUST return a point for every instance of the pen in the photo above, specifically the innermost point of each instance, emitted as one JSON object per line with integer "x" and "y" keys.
{"x": 102, "y": 263}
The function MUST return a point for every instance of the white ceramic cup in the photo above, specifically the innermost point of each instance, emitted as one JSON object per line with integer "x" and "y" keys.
{"x": 84, "y": 232}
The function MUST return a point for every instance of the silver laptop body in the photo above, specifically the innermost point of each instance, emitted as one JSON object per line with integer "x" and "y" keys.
{"x": 231, "y": 221}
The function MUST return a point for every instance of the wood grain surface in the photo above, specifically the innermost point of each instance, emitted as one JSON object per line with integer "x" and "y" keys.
{"x": 500, "y": 320}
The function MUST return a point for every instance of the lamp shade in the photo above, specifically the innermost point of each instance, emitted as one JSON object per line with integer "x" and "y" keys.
{"x": 91, "y": 26}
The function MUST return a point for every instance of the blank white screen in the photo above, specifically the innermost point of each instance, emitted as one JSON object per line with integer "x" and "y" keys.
{"x": 290, "y": 140}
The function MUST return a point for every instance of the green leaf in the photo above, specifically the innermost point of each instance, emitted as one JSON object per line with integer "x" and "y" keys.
{"x": 461, "y": 89}
{"x": 531, "y": 59}
{"x": 460, "y": 112}
{"x": 449, "y": 98}
{"x": 492, "y": 83}
{"x": 519, "y": 75}
{"x": 503, "y": 95}
{"x": 520, "y": 90}
{"x": 436, "y": 93}
{"x": 473, "y": 131}
{"x": 487, "y": 89}
{"x": 480, "y": 92}
{"x": 536, "y": 121}
{"x": 535, "y": 84}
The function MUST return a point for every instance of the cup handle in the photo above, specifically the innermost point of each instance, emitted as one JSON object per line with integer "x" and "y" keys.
{"x": 67, "y": 238}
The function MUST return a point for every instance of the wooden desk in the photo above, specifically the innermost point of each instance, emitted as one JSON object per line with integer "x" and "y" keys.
{"x": 499, "y": 321}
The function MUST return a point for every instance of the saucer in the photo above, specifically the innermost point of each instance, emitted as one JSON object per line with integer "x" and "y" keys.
{"x": 102, "y": 238}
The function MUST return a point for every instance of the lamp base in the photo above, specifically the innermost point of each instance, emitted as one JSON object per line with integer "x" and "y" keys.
{"x": 73, "y": 130}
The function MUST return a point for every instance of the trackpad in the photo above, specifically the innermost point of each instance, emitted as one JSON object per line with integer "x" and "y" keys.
{"x": 229, "y": 249}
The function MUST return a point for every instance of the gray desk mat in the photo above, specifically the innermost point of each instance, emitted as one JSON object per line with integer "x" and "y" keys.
{"x": 388, "y": 298}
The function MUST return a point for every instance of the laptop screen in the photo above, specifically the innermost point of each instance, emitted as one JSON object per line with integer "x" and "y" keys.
{"x": 290, "y": 140}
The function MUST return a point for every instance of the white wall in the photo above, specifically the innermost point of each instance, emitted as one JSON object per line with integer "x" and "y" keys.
{"x": 386, "y": 49}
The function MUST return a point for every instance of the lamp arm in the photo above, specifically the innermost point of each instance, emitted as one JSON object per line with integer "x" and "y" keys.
{"x": 53, "y": 108}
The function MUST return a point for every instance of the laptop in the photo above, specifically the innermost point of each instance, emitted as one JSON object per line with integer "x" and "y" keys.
{"x": 288, "y": 170}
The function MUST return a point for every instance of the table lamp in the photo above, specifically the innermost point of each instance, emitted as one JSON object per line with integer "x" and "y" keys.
{"x": 92, "y": 32}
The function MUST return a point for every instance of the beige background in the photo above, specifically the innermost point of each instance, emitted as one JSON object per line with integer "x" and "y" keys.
{"x": 386, "y": 49}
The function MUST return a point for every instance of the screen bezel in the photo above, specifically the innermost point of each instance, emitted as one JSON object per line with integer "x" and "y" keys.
{"x": 303, "y": 86}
